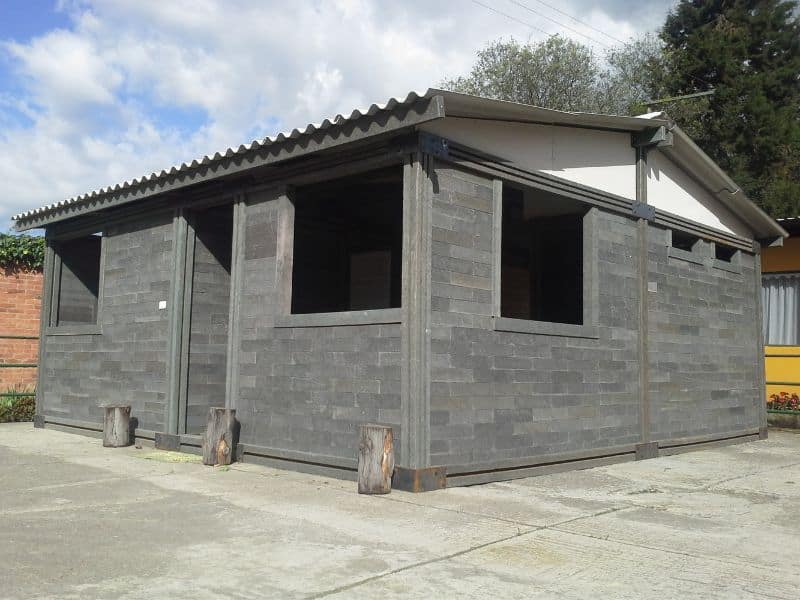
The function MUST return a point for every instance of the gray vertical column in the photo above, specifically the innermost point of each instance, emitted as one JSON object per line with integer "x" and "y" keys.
{"x": 416, "y": 299}
{"x": 497, "y": 246}
{"x": 761, "y": 396}
{"x": 55, "y": 283}
{"x": 234, "y": 325}
{"x": 175, "y": 374}
{"x": 44, "y": 323}
{"x": 284, "y": 259}
{"x": 646, "y": 448}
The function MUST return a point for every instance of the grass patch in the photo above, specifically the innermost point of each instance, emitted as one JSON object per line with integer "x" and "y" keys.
{"x": 169, "y": 457}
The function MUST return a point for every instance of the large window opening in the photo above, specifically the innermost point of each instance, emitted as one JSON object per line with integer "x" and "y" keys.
{"x": 79, "y": 280}
{"x": 541, "y": 276}
{"x": 348, "y": 243}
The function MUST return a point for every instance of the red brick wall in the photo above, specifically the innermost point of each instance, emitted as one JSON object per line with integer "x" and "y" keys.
{"x": 20, "y": 302}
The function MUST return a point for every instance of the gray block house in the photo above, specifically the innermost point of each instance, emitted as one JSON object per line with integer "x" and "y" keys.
{"x": 512, "y": 289}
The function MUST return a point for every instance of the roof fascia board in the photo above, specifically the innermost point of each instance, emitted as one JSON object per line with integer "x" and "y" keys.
{"x": 690, "y": 157}
{"x": 400, "y": 117}
{"x": 465, "y": 106}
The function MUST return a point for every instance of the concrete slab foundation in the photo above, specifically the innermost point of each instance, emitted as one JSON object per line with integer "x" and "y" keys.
{"x": 84, "y": 521}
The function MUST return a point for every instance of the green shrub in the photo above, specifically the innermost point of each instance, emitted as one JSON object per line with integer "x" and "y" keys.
{"x": 17, "y": 405}
{"x": 21, "y": 252}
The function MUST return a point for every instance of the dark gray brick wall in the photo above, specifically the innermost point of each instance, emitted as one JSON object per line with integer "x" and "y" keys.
{"x": 127, "y": 362}
{"x": 702, "y": 345}
{"x": 307, "y": 389}
{"x": 500, "y": 395}
{"x": 494, "y": 395}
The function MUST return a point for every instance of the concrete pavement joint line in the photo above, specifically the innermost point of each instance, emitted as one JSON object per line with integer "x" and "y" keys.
{"x": 710, "y": 486}
{"x": 462, "y": 512}
{"x": 56, "y": 486}
{"x": 355, "y": 584}
{"x": 646, "y": 547}
{"x": 359, "y": 583}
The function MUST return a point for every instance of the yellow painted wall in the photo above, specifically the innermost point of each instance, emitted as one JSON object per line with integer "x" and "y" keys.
{"x": 780, "y": 259}
{"x": 783, "y": 369}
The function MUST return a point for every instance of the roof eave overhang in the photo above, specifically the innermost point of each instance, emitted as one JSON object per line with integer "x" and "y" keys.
{"x": 683, "y": 151}
{"x": 393, "y": 118}
{"x": 475, "y": 107}
{"x": 688, "y": 155}
{"x": 397, "y": 115}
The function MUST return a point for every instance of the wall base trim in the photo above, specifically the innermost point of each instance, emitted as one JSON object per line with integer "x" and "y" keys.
{"x": 419, "y": 480}
{"x": 247, "y": 453}
{"x": 167, "y": 441}
{"x": 432, "y": 478}
{"x": 647, "y": 450}
{"x": 293, "y": 456}
{"x": 534, "y": 470}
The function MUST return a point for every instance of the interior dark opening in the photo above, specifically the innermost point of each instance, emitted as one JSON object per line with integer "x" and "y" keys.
{"x": 541, "y": 275}
{"x": 214, "y": 230}
{"x": 209, "y": 314}
{"x": 684, "y": 241}
{"x": 348, "y": 239}
{"x": 79, "y": 286}
{"x": 724, "y": 253}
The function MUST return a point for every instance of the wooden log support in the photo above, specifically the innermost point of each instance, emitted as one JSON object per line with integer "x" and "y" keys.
{"x": 375, "y": 459}
{"x": 221, "y": 437}
{"x": 116, "y": 426}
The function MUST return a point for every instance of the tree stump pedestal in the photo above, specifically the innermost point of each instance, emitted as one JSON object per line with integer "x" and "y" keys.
{"x": 117, "y": 425}
{"x": 221, "y": 437}
{"x": 375, "y": 459}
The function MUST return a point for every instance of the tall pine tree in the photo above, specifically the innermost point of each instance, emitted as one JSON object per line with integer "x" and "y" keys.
{"x": 749, "y": 52}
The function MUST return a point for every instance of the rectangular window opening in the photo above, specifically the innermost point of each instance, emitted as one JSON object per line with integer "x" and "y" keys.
{"x": 724, "y": 253}
{"x": 79, "y": 283}
{"x": 684, "y": 241}
{"x": 348, "y": 243}
{"x": 541, "y": 277}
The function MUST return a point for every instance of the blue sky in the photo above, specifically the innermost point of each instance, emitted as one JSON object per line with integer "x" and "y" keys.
{"x": 95, "y": 92}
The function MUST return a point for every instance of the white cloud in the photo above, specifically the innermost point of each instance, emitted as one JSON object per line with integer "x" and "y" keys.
{"x": 100, "y": 98}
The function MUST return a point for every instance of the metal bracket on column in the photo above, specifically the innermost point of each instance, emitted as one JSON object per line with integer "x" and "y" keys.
{"x": 657, "y": 136}
{"x": 433, "y": 145}
{"x": 641, "y": 210}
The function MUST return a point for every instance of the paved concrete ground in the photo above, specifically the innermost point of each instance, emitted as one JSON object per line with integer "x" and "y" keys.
{"x": 81, "y": 521}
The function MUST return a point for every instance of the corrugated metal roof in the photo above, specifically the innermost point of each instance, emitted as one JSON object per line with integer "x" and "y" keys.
{"x": 242, "y": 150}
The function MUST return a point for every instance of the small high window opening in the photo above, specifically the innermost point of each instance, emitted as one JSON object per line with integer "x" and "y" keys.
{"x": 541, "y": 275}
{"x": 684, "y": 241}
{"x": 724, "y": 253}
{"x": 348, "y": 243}
{"x": 79, "y": 280}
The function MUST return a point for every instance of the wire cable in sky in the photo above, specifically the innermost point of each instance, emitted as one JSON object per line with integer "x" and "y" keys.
{"x": 506, "y": 15}
{"x": 560, "y": 24}
{"x": 577, "y": 20}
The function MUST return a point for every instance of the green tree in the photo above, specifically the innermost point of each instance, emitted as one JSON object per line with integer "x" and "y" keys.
{"x": 21, "y": 251}
{"x": 749, "y": 52}
{"x": 565, "y": 75}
